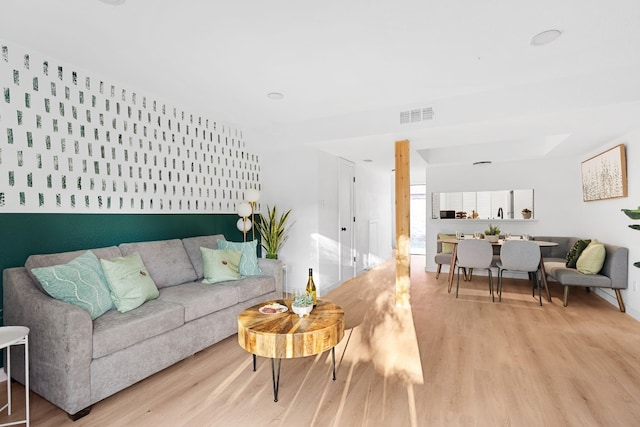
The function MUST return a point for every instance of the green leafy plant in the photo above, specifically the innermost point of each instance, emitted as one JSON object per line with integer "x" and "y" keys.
{"x": 492, "y": 230}
{"x": 273, "y": 230}
{"x": 526, "y": 211}
{"x": 633, "y": 214}
{"x": 304, "y": 300}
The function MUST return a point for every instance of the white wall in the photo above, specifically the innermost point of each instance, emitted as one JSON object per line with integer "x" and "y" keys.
{"x": 289, "y": 181}
{"x": 306, "y": 180}
{"x": 559, "y": 209}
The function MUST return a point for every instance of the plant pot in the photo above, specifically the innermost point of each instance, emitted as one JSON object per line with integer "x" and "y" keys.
{"x": 302, "y": 310}
{"x": 526, "y": 215}
{"x": 491, "y": 238}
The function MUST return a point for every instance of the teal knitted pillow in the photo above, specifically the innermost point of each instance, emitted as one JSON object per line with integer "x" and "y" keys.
{"x": 249, "y": 259}
{"x": 79, "y": 282}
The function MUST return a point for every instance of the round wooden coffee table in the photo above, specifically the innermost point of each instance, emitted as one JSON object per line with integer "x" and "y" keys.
{"x": 286, "y": 335}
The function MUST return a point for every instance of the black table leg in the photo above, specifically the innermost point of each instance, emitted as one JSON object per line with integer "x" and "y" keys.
{"x": 333, "y": 356}
{"x": 254, "y": 363}
{"x": 276, "y": 378}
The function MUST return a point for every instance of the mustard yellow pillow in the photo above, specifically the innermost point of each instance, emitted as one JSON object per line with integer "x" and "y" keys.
{"x": 591, "y": 259}
{"x": 447, "y": 248}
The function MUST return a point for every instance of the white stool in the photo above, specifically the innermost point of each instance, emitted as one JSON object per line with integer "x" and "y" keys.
{"x": 16, "y": 335}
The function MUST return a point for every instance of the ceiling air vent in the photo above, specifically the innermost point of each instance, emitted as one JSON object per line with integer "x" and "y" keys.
{"x": 416, "y": 115}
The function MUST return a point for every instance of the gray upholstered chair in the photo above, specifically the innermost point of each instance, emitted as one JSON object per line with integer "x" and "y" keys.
{"x": 475, "y": 254}
{"x": 520, "y": 255}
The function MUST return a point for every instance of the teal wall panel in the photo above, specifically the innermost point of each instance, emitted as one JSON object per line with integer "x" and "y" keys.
{"x": 25, "y": 234}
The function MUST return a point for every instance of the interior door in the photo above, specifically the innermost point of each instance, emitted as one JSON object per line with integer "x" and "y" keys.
{"x": 346, "y": 220}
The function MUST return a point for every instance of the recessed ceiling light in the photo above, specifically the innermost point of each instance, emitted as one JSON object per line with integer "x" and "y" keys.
{"x": 367, "y": 160}
{"x": 545, "y": 37}
{"x": 113, "y": 2}
{"x": 275, "y": 95}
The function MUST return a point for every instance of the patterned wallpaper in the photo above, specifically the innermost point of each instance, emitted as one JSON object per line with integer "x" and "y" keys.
{"x": 73, "y": 142}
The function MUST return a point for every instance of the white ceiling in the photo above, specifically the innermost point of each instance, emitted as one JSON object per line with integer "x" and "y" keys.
{"x": 348, "y": 67}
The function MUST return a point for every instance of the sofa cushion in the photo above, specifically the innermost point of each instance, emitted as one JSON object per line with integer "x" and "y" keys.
{"x": 443, "y": 258}
{"x": 199, "y": 299}
{"x": 592, "y": 258}
{"x": 129, "y": 282}
{"x": 249, "y": 260}
{"x": 570, "y": 276}
{"x": 193, "y": 244}
{"x": 559, "y": 251}
{"x": 115, "y": 331}
{"x": 47, "y": 260}
{"x": 80, "y": 282}
{"x": 254, "y": 286}
{"x": 166, "y": 260}
{"x": 220, "y": 265}
{"x": 575, "y": 251}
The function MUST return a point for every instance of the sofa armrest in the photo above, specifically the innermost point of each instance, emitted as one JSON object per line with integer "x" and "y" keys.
{"x": 616, "y": 266}
{"x": 273, "y": 267}
{"x": 60, "y": 341}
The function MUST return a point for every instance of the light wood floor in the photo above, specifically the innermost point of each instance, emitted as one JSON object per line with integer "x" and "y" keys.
{"x": 444, "y": 362}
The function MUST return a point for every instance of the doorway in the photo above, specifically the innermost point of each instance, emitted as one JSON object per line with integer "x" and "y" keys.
{"x": 418, "y": 219}
{"x": 346, "y": 235}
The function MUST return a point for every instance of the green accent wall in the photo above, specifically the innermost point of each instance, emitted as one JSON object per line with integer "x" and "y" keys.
{"x": 24, "y": 234}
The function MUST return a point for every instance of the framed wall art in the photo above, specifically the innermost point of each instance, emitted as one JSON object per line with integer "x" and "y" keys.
{"x": 604, "y": 176}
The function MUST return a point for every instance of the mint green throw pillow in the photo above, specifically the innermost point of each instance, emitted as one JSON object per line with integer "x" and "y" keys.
{"x": 249, "y": 259}
{"x": 220, "y": 265}
{"x": 129, "y": 282}
{"x": 80, "y": 282}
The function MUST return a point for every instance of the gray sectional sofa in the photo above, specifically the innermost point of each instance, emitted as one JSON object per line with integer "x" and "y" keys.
{"x": 613, "y": 274}
{"x": 76, "y": 361}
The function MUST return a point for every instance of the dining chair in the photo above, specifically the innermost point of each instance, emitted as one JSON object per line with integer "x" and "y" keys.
{"x": 520, "y": 255}
{"x": 475, "y": 254}
{"x": 443, "y": 252}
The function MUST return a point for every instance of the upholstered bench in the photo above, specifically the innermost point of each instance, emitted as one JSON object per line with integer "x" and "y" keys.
{"x": 613, "y": 273}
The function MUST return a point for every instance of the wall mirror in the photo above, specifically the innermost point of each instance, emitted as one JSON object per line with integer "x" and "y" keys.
{"x": 502, "y": 204}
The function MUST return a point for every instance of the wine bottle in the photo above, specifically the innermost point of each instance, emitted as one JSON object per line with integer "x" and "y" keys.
{"x": 311, "y": 288}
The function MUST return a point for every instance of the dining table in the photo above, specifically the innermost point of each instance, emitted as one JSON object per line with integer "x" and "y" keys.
{"x": 454, "y": 256}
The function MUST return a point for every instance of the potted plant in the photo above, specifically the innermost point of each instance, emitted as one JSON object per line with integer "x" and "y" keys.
{"x": 302, "y": 304}
{"x": 492, "y": 234}
{"x": 273, "y": 230}
{"x": 526, "y": 213}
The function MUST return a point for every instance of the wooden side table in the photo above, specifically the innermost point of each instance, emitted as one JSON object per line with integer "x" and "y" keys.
{"x": 286, "y": 336}
{"x": 9, "y": 336}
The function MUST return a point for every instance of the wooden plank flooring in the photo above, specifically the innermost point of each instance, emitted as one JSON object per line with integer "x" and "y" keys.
{"x": 445, "y": 362}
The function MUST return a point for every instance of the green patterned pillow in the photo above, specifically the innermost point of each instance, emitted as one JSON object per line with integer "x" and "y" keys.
{"x": 575, "y": 251}
{"x": 129, "y": 282}
{"x": 80, "y": 282}
{"x": 249, "y": 260}
{"x": 220, "y": 265}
